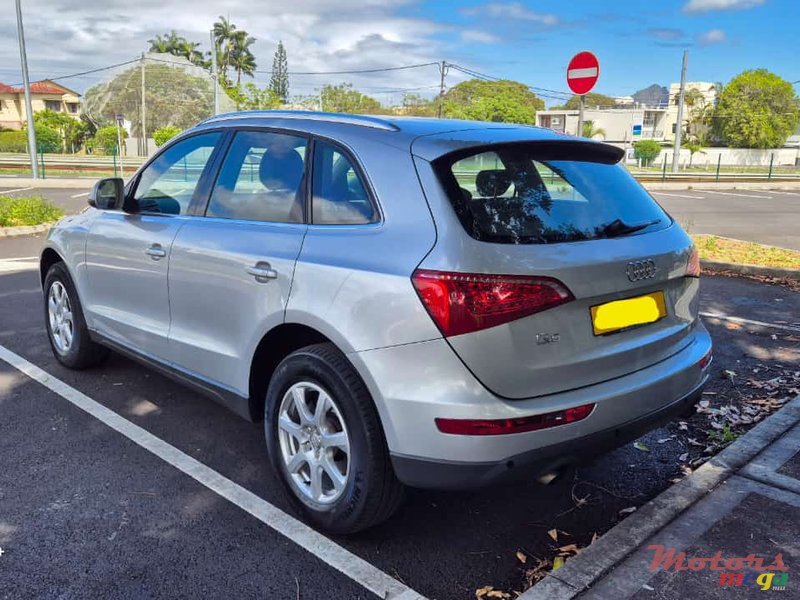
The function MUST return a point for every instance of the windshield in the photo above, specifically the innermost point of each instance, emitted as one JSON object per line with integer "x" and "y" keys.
{"x": 515, "y": 195}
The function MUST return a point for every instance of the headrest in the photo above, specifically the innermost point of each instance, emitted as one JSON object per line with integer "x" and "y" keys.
{"x": 492, "y": 183}
{"x": 281, "y": 171}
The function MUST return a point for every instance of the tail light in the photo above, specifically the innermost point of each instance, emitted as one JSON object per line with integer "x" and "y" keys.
{"x": 706, "y": 360}
{"x": 517, "y": 425}
{"x": 466, "y": 302}
{"x": 693, "y": 266}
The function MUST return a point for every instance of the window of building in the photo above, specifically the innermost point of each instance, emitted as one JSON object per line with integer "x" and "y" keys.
{"x": 53, "y": 105}
{"x": 261, "y": 179}
{"x": 72, "y": 107}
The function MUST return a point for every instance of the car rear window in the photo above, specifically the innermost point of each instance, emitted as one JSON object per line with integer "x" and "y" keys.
{"x": 539, "y": 194}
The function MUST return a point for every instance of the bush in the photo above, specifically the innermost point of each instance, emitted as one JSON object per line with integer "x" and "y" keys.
{"x": 105, "y": 139}
{"x": 646, "y": 151}
{"x": 47, "y": 139}
{"x": 164, "y": 134}
{"x": 27, "y": 210}
{"x": 13, "y": 141}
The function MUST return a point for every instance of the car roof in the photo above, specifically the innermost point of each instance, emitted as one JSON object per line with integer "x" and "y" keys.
{"x": 425, "y": 136}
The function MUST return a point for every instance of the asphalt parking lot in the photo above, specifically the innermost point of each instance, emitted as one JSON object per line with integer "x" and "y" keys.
{"x": 763, "y": 216}
{"x": 86, "y": 512}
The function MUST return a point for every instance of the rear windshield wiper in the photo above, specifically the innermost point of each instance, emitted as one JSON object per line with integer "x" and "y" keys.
{"x": 617, "y": 227}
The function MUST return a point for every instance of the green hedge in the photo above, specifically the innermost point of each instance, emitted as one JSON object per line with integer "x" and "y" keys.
{"x": 27, "y": 210}
{"x": 47, "y": 140}
{"x": 13, "y": 141}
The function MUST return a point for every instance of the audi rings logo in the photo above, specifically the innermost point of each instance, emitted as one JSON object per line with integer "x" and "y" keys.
{"x": 641, "y": 269}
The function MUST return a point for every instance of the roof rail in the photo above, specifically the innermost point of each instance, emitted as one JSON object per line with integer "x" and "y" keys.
{"x": 362, "y": 120}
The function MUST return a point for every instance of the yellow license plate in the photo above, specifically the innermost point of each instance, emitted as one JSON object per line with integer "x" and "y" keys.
{"x": 622, "y": 314}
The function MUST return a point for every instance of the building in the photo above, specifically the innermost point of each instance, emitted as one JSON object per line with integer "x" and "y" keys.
{"x": 624, "y": 123}
{"x": 45, "y": 95}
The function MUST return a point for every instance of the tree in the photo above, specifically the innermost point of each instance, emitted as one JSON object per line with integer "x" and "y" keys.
{"x": 164, "y": 134}
{"x": 73, "y": 132}
{"x": 47, "y": 138}
{"x": 224, "y": 32}
{"x": 498, "y": 101}
{"x": 250, "y": 97}
{"x": 279, "y": 82}
{"x": 172, "y": 43}
{"x": 693, "y": 148}
{"x": 173, "y": 98}
{"x": 592, "y": 99}
{"x": 757, "y": 109}
{"x": 591, "y": 131}
{"x": 105, "y": 139}
{"x": 646, "y": 151}
{"x": 344, "y": 99}
{"x": 415, "y": 105}
{"x": 241, "y": 58}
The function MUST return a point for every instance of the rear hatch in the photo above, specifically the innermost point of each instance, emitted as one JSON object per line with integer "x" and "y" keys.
{"x": 553, "y": 269}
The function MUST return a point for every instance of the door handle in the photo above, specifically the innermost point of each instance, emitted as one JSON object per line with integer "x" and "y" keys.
{"x": 262, "y": 271}
{"x": 156, "y": 252}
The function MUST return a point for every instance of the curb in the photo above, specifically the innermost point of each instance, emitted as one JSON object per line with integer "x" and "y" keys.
{"x": 716, "y": 266}
{"x": 44, "y": 184}
{"x": 580, "y": 572}
{"x": 24, "y": 230}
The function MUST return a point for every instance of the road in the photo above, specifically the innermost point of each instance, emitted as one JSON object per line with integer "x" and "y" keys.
{"x": 767, "y": 217}
{"x": 86, "y": 512}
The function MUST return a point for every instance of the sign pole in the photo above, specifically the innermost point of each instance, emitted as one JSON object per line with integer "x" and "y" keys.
{"x": 580, "y": 115}
{"x": 679, "y": 125}
{"x": 582, "y": 74}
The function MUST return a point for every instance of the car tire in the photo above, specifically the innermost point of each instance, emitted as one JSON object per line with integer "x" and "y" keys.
{"x": 370, "y": 492}
{"x": 66, "y": 327}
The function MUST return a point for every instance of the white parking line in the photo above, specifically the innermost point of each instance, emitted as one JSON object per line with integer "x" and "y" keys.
{"x": 735, "y": 194}
{"x": 22, "y": 291}
{"x": 678, "y": 195}
{"x": 25, "y": 189}
{"x": 79, "y": 195}
{"x": 782, "y": 192}
{"x": 344, "y": 561}
{"x": 709, "y": 315}
{"x": 14, "y": 265}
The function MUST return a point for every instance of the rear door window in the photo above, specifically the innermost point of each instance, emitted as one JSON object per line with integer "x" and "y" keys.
{"x": 517, "y": 194}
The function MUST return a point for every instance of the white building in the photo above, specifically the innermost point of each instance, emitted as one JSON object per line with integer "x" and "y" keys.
{"x": 629, "y": 122}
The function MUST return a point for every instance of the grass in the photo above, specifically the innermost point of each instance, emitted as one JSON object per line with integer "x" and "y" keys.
{"x": 722, "y": 249}
{"x": 27, "y": 210}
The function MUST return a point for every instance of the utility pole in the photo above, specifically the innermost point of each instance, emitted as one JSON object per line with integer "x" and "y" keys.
{"x": 23, "y": 59}
{"x": 443, "y": 69}
{"x": 214, "y": 72}
{"x": 679, "y": 125}
{"x": 581, "y": 106}
{"x": 144, "y": 113}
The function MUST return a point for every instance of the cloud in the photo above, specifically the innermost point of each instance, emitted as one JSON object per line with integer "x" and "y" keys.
{"x": 479, "y": 37}
{"x": 697, "y": 6}
{"x": 514, "y": 11}
{"x": 713, "y": 36}
{"x": 666, "y": 34}
{"x": 66, "y": 37}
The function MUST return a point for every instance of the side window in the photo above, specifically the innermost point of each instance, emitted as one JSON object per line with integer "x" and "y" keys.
{"x": 261, "y": 179}
{"x": 339, "y": 195}
{"x": 167, "y": 185}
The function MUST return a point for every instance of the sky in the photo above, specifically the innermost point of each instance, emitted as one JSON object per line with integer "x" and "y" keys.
{"x": 637, "y": 42}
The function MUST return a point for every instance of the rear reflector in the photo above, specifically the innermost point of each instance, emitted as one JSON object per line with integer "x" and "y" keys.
{"x": 466, "y": 302}
{"x": 706, "y": 360}
{"x": 693, "y": 266}
{"x": 518, "y": 425}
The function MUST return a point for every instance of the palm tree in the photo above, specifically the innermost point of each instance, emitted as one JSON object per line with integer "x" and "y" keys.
{"x": 160, "y": 44}
{"x": 241, "y": 58}
{"x": 590, "y": 131}
{"x": 224, "y": 34}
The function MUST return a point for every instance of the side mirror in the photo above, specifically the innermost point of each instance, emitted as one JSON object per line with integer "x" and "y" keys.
{"x": 107, "y": 194}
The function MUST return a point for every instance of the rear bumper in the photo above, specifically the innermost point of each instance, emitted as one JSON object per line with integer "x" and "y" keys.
{"x": 414, "y": 384}
{"x": 533, "y": 463}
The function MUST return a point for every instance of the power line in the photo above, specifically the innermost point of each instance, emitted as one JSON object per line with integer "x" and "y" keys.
{"x": 90, "y": 71}
{"x": 545, "y": 92}
{"x": 356, "y": 71}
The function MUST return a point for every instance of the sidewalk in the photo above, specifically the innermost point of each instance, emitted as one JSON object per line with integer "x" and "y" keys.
{"x": 744, "y": 501}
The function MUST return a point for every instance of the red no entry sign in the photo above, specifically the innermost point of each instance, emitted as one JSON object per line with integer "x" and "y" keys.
{"x": 582, "y": 72}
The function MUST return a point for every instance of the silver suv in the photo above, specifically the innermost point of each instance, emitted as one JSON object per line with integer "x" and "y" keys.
{"x": 425, "y": 302}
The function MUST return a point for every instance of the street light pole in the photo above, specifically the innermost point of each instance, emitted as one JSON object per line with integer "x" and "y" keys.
{"x": 144, "y": 113}
{"x": 214, "y": 74}
{"x": 679, "y": 125}
{"x": 23, "y": 58}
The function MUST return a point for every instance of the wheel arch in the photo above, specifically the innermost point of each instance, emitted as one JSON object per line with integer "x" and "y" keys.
{"x": 48, "y": 258}
{"x": 274, "y": 346}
